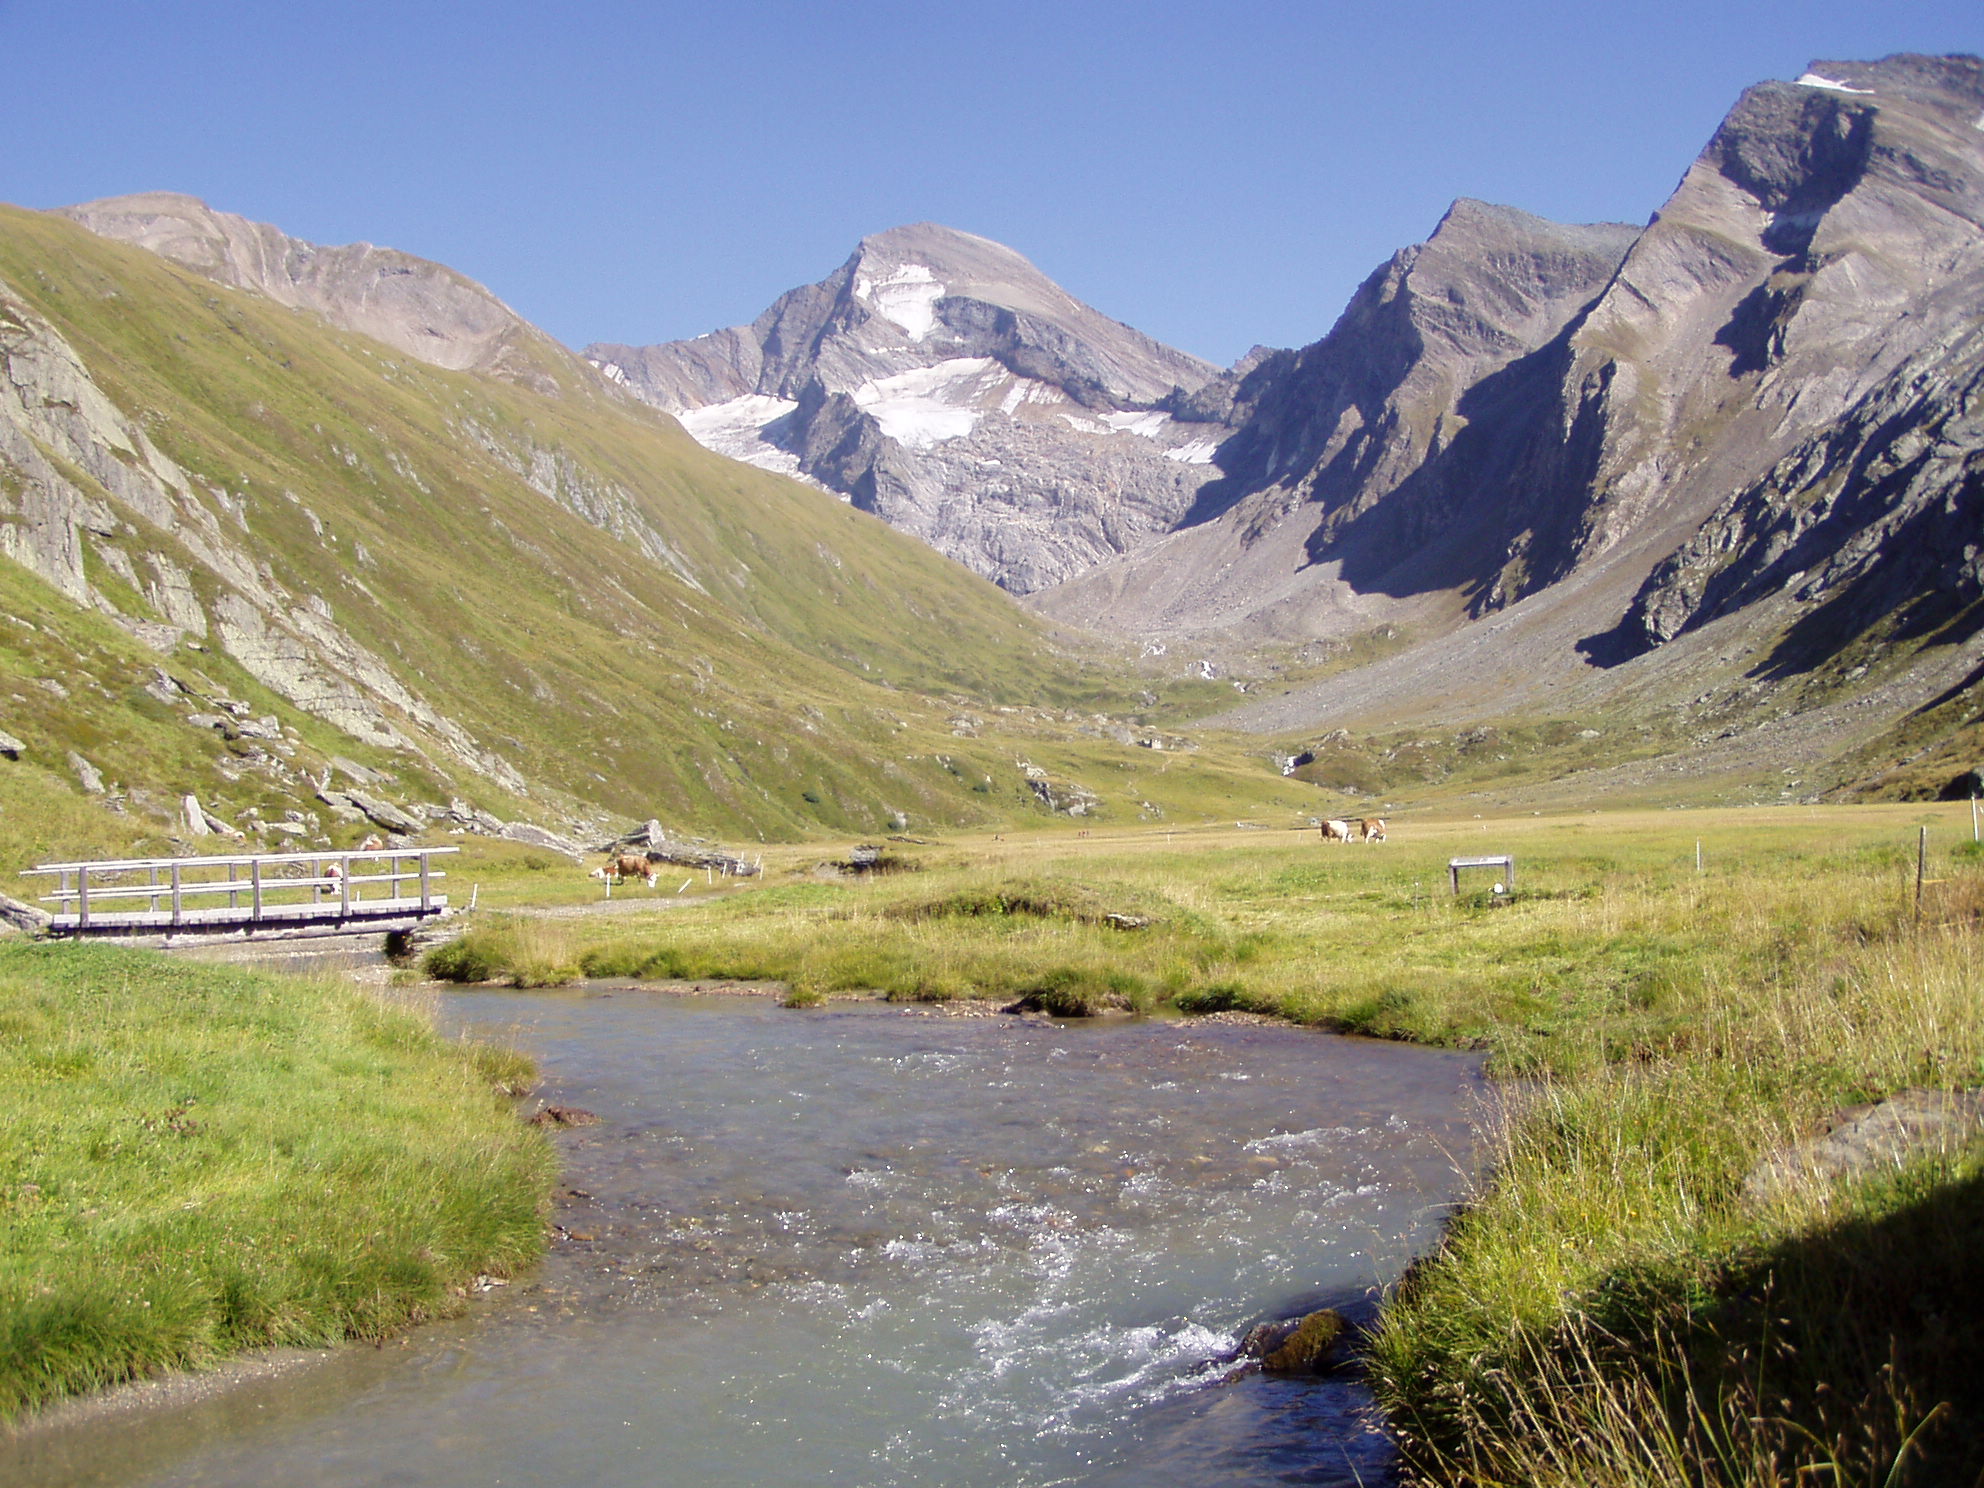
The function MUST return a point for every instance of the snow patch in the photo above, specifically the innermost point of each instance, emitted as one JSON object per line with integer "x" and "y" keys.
{"x": 1813, "y": 80}
{"x": 1026, "y": 390}
{"x": 736, "y": 428}
{"x": 1198, "y": 452}
{"x": 1146, "y": 424}
{"x": 1083, "y": 425}
{"x": 908, "y": 297}
{"x": 928, "y": 405}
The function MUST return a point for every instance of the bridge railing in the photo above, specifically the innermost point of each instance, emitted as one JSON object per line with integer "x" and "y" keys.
{"x": 177, "y": 890}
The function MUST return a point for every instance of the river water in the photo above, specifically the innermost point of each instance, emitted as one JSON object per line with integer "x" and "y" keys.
{"x": 872, "y": 1246}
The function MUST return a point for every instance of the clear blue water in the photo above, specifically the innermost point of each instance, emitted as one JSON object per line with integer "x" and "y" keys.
{"x": 865, "y": 1246}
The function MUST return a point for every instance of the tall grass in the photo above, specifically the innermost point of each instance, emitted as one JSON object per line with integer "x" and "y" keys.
{"x": 1616, "y": 1307}
{"x": 197, "y": 1159}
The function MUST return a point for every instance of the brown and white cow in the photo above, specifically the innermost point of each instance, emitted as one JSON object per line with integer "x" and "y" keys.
{"x": 1335, "y": 831}
{"x": 622, "y": 866}
{"x": 1373, "y": 828}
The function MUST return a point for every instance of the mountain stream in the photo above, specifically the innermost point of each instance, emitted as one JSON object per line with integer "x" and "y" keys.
{"x": 878, "y": 1247}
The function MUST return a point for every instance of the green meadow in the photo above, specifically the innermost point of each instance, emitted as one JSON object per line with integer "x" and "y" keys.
{"x": 1612, "y": 1306}
{"x": 197, "y": 1159}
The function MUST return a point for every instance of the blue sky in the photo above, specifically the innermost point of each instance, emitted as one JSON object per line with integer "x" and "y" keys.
{"x": 1216, "y": 175}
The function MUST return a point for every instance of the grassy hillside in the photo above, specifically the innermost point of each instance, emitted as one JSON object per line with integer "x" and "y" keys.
{"x": 633, "y": 625}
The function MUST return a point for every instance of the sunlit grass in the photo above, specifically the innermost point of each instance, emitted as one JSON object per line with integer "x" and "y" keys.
{"x": 196, "y": 1159}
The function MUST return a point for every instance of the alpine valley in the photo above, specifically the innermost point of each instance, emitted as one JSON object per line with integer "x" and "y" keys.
{"x": 331, "y": 537}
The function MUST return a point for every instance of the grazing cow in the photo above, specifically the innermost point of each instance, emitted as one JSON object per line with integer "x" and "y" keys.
{"x": 1373, "y": 828}
{"x": 1336, "y": 831}
{"x": 373, "y": 843}
{"x": 623, "y": 866}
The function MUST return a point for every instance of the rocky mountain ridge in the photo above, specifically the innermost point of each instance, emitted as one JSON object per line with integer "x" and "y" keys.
{"x": 419, "y": 307}
{"x": 1762, "y": 404}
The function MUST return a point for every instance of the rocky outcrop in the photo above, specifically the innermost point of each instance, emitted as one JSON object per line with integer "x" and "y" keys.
{"x": 85, "y": 484}
{"x": 942, "y": 382}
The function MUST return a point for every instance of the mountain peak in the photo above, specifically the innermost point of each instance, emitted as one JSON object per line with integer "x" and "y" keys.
{"x": 903, "y": 272}
{"x": 1952, "y": 82}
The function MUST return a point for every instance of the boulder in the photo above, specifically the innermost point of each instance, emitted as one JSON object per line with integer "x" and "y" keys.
{"x": 11, "y": 747}
{"x": 359, "y": 774}
{"x": 1308, "y": 1346}
{"x": 1862, "y": 1140}
{"x": 341, "y": 805}
{"x": 196, "y": 819}
{"x": 1305, "y": 1345}
{"x": 385, "y": 814}
{"x": 87, "y": 774}
{"x": 17, "y": 915}
{"x": 536, "y": 836}
{"x": 459, "y": 816}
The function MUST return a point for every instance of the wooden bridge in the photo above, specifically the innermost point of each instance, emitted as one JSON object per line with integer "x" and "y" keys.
{"x": 258, "y": 894}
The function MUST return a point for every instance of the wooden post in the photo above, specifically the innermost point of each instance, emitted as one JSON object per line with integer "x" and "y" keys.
{"x": 1973, "y": 816}
{"x": 1453, "y": 872}
{"x": 233, "y": 895}
{"x": 177, "y": 910}
{"x": 426, "y": 899}
{"x": 83, "y": 897}
{"x": 344, "y": 886}
{"x": 1921, "y": 866}
{"x": 151, "y": 877}
{"x": 255, "y": 887}
{"x": 1698, "y": 855}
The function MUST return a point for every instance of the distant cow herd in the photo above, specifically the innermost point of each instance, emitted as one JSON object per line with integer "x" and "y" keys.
{"x": 1368, "y": 828}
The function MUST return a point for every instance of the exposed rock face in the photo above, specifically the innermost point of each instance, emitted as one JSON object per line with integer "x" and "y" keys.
{"x": 942, "y": 382}
{"x": 1766, "y": 401}
{"x": 423, "y": 309}
{"x": 1299, "y": 526}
